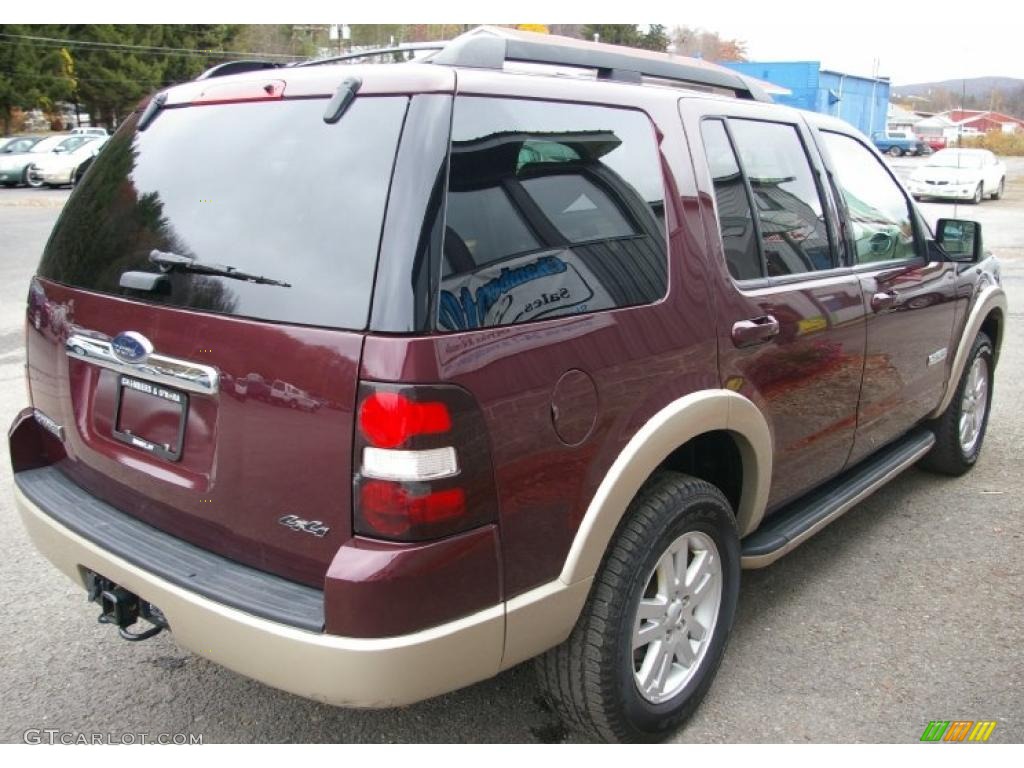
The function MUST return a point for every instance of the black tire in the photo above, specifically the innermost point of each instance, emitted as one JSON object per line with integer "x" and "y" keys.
{"x": 947, "y": 456}
{"x": 895, "y": 152}
{"x": 998, "y": 194}
{"x": 979, "y": 194}
{"x": 590, "y": 677}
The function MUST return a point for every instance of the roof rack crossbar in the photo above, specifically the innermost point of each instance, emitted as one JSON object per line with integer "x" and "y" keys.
{"x": 492, "y": 51}
{"x": 234, "y": 67}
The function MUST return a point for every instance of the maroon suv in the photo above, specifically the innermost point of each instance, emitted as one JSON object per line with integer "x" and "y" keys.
{"x": 372, "y": 381}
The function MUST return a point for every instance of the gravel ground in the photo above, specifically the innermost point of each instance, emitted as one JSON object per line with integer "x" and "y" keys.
{"x": 908, "y": 609}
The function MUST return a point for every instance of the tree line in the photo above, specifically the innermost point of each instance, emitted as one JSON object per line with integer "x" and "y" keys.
{"x": 104, "y": 70}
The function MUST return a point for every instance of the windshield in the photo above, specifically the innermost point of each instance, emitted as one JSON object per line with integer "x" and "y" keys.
{"x": 267, "y": 188}
{"x": 48, "y": 143}
{"x": 951, "y": 158}
{"x": 70, "y": 145}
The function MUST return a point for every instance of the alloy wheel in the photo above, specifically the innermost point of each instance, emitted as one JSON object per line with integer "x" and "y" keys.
{"x": 676, "y": 617}
{"x": 973, "y": 406}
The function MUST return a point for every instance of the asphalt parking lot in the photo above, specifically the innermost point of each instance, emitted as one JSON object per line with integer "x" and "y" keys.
{"x": 908, "y": 609}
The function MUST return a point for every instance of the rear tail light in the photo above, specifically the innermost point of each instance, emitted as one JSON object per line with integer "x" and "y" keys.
{"x": 423, "y": 463}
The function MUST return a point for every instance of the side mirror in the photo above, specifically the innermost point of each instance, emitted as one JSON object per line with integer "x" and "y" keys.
{"x": 961, "y": 240}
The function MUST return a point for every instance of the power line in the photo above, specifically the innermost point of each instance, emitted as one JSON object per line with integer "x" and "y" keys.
{"x": 56, "y": 42}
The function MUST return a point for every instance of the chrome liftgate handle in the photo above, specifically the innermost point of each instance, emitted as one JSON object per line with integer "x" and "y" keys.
{"x": 169, "y": 371}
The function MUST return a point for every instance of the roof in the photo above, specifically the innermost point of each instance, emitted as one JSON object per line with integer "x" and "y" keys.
{"x": 965, "y": 116}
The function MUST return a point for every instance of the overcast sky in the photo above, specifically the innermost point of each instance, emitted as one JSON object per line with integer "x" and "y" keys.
{"x": 914, "y": 41}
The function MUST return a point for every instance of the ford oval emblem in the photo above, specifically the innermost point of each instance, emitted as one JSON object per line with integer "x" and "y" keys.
{"x": 131, "y": 347}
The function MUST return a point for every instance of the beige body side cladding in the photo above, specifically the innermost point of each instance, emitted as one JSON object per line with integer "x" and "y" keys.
{"x": 991, "y": 298}
{"x": 394, "y": 671}
{"x": 675, "y": 424}
{"x": 352, "y": 672}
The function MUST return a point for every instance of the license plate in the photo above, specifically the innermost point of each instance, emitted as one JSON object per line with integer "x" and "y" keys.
{"x": 150, "y": 417}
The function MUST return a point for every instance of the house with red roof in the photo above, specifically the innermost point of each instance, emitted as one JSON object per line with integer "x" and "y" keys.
{"x": 973, "y": 121}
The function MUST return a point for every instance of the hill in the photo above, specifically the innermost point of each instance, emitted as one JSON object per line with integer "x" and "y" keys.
{"x": 976, "y": 87}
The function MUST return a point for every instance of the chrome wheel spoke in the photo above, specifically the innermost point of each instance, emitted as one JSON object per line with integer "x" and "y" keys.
{"x": 666, "y": 575}
{"x": 695, "y": 629}
{"x": 652, "y": 609}
{"x": 656, "y": 666}
{"x": 685, "y": 652}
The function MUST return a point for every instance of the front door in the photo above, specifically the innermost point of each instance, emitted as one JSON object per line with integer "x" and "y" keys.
{"x": 909, "y": 300}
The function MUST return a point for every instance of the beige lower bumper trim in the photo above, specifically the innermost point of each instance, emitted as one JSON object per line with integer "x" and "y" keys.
{"x": 353, "y": 672}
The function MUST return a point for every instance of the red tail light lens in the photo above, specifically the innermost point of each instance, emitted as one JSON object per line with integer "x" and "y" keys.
{"x": 422, "y": 463}
{"x": 389, "y": 419}
{"x": 392, "y": 509}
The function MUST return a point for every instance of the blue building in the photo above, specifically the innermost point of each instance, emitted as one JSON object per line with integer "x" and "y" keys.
{"x": 862, "y": 101}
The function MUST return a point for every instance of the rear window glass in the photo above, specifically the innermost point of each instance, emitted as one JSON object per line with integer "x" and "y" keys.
{"x": 552, "y": 209}
{"x": 267, "y": 189}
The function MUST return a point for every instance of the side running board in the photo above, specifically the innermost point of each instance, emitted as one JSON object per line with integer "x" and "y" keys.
{"x": 786, "y": 529}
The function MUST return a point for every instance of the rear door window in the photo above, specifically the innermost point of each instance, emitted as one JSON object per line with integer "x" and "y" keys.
{"x": 267, "y": 189}
{"x": 794, "y": 231}
{"x": 552, "y": 209}
{"x": 735, "y": 216}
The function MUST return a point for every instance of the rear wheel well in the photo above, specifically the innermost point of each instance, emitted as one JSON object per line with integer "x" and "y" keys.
{"x": 714, "y": 457}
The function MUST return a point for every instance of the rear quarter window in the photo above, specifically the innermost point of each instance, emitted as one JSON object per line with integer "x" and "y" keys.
{"x": 551, "y": 210}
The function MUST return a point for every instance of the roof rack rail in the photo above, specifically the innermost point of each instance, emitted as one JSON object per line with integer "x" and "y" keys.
{"x": 234, "y": 67}
{"x": 485, "y": 49}
{"x": 400, "y": 48}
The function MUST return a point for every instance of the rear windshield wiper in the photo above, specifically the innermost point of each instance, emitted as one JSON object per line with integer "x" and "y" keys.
{"x": 169, "y": 262}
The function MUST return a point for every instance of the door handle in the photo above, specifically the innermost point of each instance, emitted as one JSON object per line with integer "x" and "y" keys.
{"x": 757, "y": 330}
{"x": 883, "y": 301}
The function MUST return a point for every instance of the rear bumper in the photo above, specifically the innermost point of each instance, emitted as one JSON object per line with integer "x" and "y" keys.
{"x": 354, "y": 672}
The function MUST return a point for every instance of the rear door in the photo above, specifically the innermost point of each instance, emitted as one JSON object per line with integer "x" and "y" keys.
{"x": 909, "y": 299}
{"x": 789, "y": 312}
{"x": 198, "y": 320}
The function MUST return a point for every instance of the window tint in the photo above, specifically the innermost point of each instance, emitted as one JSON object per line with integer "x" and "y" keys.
{"x": 552, "y": 209}
{"x": 877, "y": 209}
{"x": 267, "y": 188}
{"x": 794, "y": 233}
{"x": 735, "y": 219}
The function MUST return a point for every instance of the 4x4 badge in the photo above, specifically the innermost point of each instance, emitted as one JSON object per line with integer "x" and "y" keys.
{"x": 315, "y": 527}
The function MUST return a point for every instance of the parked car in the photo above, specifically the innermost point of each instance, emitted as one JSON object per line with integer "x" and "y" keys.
{"x": 898, "y": 143}
{"x": 14, "y": 168}
{"x": 90, "y": 131}
{"x": 591, "y": 346}
{"x": 935, "y": 143}
{"x": 960, "y": 174}
{"x": 59, "y": 168}
{"x": 283, "y": 393}
{"x": 12, "y": 145}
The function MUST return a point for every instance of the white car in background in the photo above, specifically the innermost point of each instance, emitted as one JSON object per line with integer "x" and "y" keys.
{"x": 58, "y": 168}
{"x": 89, "y": 132}
{"x": 960, "y": 174}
